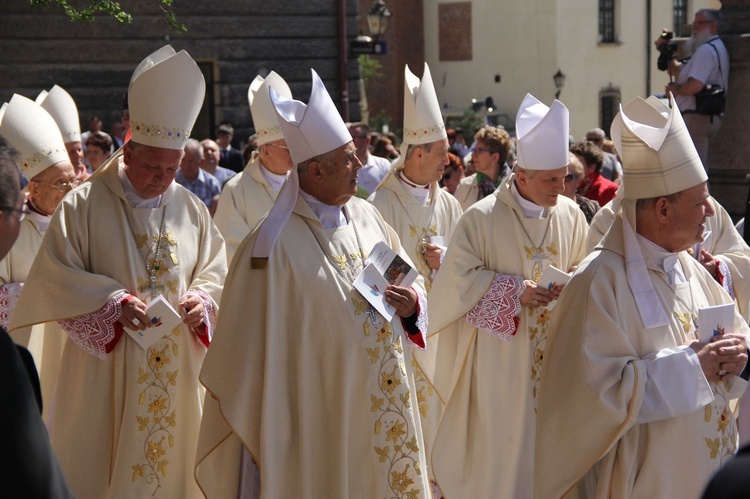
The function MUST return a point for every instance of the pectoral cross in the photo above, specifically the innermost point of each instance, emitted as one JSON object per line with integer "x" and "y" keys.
{"x": 370, "y": 310}
{"x": 152, "y": 286}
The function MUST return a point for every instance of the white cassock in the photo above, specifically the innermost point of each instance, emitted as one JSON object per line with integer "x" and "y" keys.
{"x": 124, "y": 423}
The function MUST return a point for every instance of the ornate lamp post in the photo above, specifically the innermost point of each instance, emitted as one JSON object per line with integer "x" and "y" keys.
{"x": 559, "y": 78}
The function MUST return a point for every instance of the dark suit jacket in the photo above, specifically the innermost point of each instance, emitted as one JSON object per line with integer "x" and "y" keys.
{"x": 232, "y": 159}
{"x": 28, "y": 466}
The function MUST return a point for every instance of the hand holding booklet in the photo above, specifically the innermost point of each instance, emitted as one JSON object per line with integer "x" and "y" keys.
{"x": 552, "y": 277}
{"x": 715, "y": 321}
{"x": 163, "y": 319}
{"x": 382, "y": 268}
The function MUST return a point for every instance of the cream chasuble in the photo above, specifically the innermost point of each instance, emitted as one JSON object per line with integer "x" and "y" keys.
{"x": 44, "y": 341}
{"x": 318, "y": 389}
{"x": 415, "y": 223}
{"x": 594, "y": 380}
{"x": 485, "y": 441}
{"x": 245, "y": 199}
{"x": 125, "y": 426}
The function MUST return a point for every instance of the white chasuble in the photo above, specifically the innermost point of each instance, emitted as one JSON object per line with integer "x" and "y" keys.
{"x": 125, "y": 425}
{"x": 589, "y": 441}
{"x": 245, "y": 199}
{"x": 44, "y": 341}
{"x": 415, "y": 223}
{"x": 317, "y": 388}
{"x": 485, "y": 441}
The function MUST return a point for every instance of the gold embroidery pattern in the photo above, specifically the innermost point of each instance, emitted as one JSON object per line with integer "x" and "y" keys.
{"x": 393, "y": 415}
{"x": 720, "y": 421}
{"x": 423, "y": 235}
{"x": 538, "y": 317}
{"x": 157, "y": 418}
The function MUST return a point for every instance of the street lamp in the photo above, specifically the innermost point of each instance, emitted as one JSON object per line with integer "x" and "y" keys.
{"x": 559, "y": 78}
{"x": 377, "y": 19}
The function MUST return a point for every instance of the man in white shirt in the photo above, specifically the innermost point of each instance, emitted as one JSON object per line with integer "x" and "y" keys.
{"x": 374, "y": 168}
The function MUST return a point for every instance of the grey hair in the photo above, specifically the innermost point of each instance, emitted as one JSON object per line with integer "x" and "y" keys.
{"x": 410, "y": 150}
{"x": 643, "y": 204}
{"x": 194, "y": 144}
{"x": 322, "y": 158}
{"x": 597, "y": 131}
{"x": 711, "y": 15}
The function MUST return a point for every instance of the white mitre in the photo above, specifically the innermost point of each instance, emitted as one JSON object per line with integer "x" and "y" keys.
{"x": 658, "y": 159}
{"x": 658, "y": 155}
{"x": 33, "y": 133}
{"x": 264, "y": 116}
{"x": 309, "y": 130}
{"x": 61, "y": 106}
{"x": 423, "y": 121}
{"x": 165, "y": 96}
{"x": 543, "y": 134}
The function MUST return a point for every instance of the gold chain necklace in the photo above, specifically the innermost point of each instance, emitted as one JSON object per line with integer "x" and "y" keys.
{"x": 150, "y": 269}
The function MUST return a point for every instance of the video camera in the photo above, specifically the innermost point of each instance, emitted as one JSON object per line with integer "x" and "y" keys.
{"x": 666, "y": 50}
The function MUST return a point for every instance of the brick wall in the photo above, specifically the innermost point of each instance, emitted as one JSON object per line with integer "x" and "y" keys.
{"x": 454, "y": 22}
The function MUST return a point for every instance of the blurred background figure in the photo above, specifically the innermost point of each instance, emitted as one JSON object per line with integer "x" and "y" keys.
{"x": 452, "y": 174}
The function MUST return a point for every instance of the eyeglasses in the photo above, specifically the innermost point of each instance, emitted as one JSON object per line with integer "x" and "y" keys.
{"x": 62, "y": 186}
{"x": 475, "y": 150}
{"x": 595, "y": 140}
{"x": 570, "y": 177}
{"x": 24, "y": 211}
{"x": 279, "y": 146}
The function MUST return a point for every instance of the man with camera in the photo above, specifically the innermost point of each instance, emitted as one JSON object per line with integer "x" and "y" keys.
{"x": 706, "y": 73}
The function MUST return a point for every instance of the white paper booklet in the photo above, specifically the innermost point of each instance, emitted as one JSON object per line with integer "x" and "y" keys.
{"x": 164, "y": 319}
{"x": 715, "y": 321}
{"x": 383, "y": 267}
{"x": 551, "y": 277}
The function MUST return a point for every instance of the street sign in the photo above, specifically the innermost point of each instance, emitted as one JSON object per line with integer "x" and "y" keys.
{"x": 367, "y": 47}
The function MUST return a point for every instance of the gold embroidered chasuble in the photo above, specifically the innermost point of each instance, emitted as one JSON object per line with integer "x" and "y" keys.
{"x": 414, "y": 223}
{"x": 319, "y": 391}
{"x": 594, "y": 380}
{"x": 44, "y": 341}
{"x": 245, "y": 199}
{"x": 125, "y": 426}
{"x": 485, "y": 441}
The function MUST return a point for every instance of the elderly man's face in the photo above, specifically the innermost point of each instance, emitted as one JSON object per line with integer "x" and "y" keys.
{"x": 542, "y": 186}
{"x": 211, "y": 155}
{"x": 701, "y": 24}
{"x": 340, "y": 175}
{"x": 51, "y": 185}
{"x": 151, "y": 169}
{"x": 275, "y": 157}
{"x": 686, "y": 220}
{"x": 191, "y": 162}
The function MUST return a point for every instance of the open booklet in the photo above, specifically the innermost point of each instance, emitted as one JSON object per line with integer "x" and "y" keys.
{"x": 382, "y": 268}
{"x": 164, "y": 318}
{"x": 551, "y": 277}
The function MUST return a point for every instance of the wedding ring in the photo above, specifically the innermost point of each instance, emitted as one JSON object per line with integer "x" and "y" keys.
{"x": 722, "y": 372}
{"x": 135, "y": 322}
{"x": 536, "y": 302}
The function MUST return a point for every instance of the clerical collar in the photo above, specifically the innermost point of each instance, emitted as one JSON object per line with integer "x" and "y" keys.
{"x": 40, "y": 219}
{"x": 530, "y": 208}
{"x": 135, "y": 199}
{"x": 273, "y": 179}
{"x": 330, "y": 216}
{"x": 665, "y": 260}
{"x": 420, "y": 192}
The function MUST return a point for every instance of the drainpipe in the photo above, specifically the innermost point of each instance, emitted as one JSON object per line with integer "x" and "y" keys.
{"x": 343, "y": 59}
{"x": 649, "y": 48}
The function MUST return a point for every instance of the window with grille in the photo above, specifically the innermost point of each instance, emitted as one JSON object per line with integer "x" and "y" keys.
{"x": 609, "y": 104}
{"x": 680, "y": 15}
{"x": 607, "y": 21}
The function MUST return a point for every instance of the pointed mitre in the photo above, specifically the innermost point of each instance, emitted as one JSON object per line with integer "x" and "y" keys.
{"x": 33, "y": 133}
{"x": 61, "y": 106}
{"x": 423, "y": 121}
{"x": 310, "y": 129}
{"x": 266, "y": 123}
{"x": 658, "y": 155}
{"x": 543, "y": 134}
{"x": 165, "y": 96}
